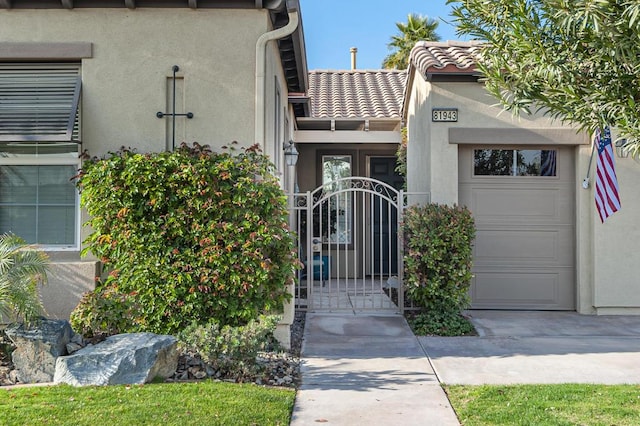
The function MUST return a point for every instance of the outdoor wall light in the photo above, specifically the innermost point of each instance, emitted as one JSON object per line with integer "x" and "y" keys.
{"x": 291, "y": 154}
{"x": 620, "y": 148}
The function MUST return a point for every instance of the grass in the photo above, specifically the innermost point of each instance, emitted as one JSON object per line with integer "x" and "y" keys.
{"x": 557, "y": 405}
{"x": 199, "y": 403}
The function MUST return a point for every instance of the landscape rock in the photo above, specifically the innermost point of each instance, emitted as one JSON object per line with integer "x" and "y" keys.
{"x": 73, "y": 347}
{"x": 133, "y": 358}
{"x": 37, "y": 348}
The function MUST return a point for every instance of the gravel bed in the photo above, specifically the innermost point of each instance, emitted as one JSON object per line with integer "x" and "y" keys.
{"x": 276, "y": 368}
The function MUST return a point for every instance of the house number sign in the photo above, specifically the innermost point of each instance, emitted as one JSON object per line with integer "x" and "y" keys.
{"x": 444, "y": 114}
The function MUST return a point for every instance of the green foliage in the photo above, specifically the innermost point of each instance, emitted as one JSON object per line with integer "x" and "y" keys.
{"x": 440, "y": 322}
{"x": 104, "y": 312}
{"x": 230, "y": 350}
{"x": 6, "y": 346}
{"x": 578, "y": 59}
{"x": 418, "y": 28}
{"x": 438, "y": 254}
{"x": 401, "y": 156}
{"x": 22, "y": 269}
{"x": 190, "y": 235}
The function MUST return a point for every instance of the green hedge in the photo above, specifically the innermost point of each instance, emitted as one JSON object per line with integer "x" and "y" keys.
{"x": 438, "y": 255}
{"x": 186, "y": 236}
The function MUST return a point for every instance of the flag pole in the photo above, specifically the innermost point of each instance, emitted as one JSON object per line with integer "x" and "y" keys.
{"x": 585, "y": 182}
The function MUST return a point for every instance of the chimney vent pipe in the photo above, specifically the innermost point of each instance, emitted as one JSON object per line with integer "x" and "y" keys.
{"x": 354, "y": 51}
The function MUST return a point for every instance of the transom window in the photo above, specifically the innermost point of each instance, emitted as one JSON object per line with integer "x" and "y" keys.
{"x": 514, "y": 162}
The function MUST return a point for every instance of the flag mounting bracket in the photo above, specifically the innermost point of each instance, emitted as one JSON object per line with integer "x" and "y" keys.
{"x": 173, "y": 113}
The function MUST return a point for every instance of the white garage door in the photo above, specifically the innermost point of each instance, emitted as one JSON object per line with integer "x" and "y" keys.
{"x": 523, "y": 202}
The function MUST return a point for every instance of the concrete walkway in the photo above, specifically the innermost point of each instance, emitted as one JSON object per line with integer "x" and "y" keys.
{"x": 371, "y": 370}
{"x": 367, "y": 370}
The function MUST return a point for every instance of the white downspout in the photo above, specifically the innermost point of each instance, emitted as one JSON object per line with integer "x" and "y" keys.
{"x": 261, "y": 54}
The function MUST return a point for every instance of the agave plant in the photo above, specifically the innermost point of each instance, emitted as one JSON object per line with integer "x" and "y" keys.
{"x": 22, "y": 269}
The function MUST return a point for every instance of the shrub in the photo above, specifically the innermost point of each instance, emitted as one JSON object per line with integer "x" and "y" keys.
{"x": 189, "y": 235}
{"x": 104, "y": 312}
{"x": 22, "y": 269}
{"x": 230, "y": 350}
{"x": 438, "y": 254}
{"x": 435, "y": 322}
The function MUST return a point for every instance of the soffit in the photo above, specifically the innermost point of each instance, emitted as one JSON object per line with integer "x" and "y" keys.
{"x": 293, "y": 55}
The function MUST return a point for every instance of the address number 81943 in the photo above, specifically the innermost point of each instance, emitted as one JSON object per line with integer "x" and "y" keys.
{"x": 444, "y": 114}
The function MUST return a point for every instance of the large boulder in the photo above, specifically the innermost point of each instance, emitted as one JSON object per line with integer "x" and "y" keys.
{"x": 37, "y": 348}
{"x": 133, "y": 358}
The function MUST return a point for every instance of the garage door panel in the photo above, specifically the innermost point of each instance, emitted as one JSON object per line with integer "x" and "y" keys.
{"x": 518, "y": 204}
{"x": 518, "y": 246}
{"x": 523, "y": 289}
{"x": 515, "y": 203}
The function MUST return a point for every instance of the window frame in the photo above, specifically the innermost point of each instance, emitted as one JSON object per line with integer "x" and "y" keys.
{"x": 52, "y": 161}
{"x": 350, "y": 214}
{"x": 71, "y": 138}
{"x": 514, "y": 149}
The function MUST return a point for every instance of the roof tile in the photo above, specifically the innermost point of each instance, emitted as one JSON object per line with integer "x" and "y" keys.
{"x": 450, "y": 56}
{"x": 356, "y": 93}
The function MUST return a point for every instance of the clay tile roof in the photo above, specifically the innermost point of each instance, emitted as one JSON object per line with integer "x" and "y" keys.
{"x": 445, "y": 57}
{"x": 356, "y": 93}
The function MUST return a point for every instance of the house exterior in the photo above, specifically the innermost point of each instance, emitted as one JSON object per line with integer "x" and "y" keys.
{"x": 94, "y": 76}
{"x": 540, "y": 243}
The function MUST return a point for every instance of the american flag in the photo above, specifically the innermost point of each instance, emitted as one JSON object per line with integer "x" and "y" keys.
{"x": 607, "y": 193}
{"x": 548, "y": 159}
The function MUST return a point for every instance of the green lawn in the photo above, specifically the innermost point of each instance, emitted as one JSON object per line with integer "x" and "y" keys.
{"x": 200, "y": 403}
{"x": 546, "y": 404}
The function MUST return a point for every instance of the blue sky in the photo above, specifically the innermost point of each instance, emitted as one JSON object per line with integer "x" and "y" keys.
{"x": 332, "y": 27}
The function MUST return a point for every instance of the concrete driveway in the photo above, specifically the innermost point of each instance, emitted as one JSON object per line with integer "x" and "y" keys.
{"x": 539, "y": 347}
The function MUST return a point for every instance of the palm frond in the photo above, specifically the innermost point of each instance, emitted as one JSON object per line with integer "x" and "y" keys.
{"x": 22, "y": 269}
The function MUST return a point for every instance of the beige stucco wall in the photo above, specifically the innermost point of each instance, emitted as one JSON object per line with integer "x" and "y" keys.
{"x": 418, "y": 130}
{"x": 432, "y": 161}
{"x": 615, "y": 246}
{"x": 127, "y": 80}
{"x": 606, "y": 260}
{"x": 68, "y": 280}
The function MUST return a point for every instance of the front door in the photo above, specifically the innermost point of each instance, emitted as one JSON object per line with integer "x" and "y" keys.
{"x": 385, "y": 217}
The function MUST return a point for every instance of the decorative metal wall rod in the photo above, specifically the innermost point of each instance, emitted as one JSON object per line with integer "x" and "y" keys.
{"x": 173, "y": 113}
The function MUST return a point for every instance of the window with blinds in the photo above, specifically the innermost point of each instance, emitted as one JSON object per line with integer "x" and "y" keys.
{"x": 39, "y": 102}
{"x": 39, "y": 153}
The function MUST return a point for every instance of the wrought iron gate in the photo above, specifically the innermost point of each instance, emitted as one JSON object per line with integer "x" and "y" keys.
{"x": 350, "y": 247}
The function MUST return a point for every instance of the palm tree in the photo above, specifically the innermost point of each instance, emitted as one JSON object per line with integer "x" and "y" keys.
{"x": 22, "y": 269}
{"x": 418, "y": 28}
